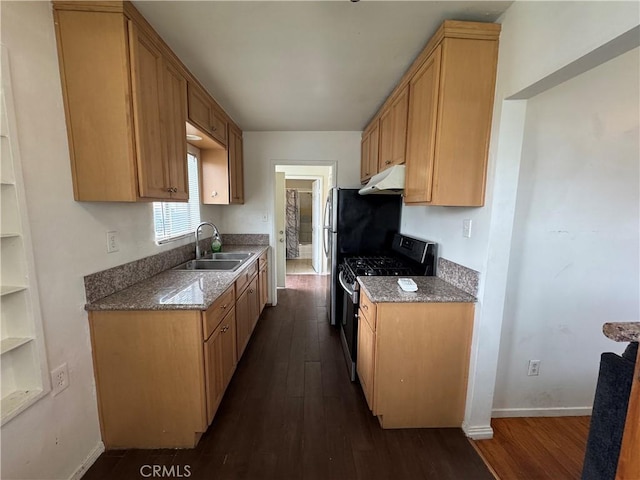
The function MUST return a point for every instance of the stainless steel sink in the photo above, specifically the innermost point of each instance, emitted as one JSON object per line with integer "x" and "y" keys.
{"x": 229, "y": 256}
{"x": 213, "y": 264}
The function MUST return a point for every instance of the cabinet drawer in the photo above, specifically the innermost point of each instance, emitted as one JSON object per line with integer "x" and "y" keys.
{"x": 368, "y": 309}
{"x": 262, "y": 261}
{"x": 245, "y": 278}
{"x": 216, "y": 312}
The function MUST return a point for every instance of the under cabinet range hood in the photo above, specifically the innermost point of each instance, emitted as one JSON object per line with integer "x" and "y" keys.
{"x": 391, "y": 181}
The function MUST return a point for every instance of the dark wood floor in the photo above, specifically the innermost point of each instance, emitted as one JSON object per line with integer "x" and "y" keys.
{"x": 291, "y": 412}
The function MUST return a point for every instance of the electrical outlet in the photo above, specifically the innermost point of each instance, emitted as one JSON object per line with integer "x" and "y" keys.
{"x": 466, "y": 228}
{"x": 112, "y": 242}
{"x": 60, "y": 379}
{"x": 534, "y": 368}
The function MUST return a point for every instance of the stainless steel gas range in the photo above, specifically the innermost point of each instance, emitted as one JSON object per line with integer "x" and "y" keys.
{"x": 408, "y": 257}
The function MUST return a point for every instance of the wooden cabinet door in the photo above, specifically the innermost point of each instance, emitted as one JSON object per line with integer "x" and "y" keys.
{"x": 175, "y": 116}
{"x": 374, "y": 144}
{"x": 365, "y": 174}
{"x": 365, "y": 363}
{"x": 218, "y": 125}
{"x": 236, "y": 170}
{"x": 147, "y": 66}
{"x": 393, "y": 132}
{"x": 254, "y": 302}
{"x": 228, "y": 345}
{"x": 386, "y": 140}
{"x": 214, "y": 381}
{"x": 421, "y": 130}
{"x": 199, "y": 108}
{"x": 263, "y": 285}
{"x": 243, "y": 322}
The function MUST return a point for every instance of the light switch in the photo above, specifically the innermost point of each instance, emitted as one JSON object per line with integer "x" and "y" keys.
{"x": 466, "y": 228}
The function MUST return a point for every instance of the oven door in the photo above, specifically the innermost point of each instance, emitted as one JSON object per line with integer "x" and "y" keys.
{"x": 349, "y": 325}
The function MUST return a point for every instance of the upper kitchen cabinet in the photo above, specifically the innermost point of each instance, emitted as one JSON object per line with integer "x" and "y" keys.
{"x": 450, "y": 107}
{"x": 221, "y": 169}
{"x": 125, "y": 104}
{"x": 448, "y": 97}
{"x": 236, "y": 167}
{"x": 369, "y": 152}
{"x": 393, "y": 131}
{"x": 205, "y": 114}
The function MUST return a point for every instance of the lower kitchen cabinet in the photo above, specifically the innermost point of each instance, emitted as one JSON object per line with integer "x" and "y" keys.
{"x": 160, "y": 375}
{"x": 263, "y": 286}
{"x": 219, "y": 361}
{"x": 150, "y": 377}
{"x": 247, "y": 314}
{"x": 413, "y": 362}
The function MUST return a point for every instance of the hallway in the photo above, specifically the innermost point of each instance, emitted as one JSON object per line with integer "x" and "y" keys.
{"x": 290, "y": 412}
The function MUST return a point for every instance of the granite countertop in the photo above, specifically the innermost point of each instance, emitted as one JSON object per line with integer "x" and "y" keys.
{"x": 430, "y": 290}
{"x": 177, "y": 289}
{"x": 622, "y": 331}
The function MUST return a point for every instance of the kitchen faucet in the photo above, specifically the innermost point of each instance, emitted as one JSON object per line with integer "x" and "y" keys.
{"x": 216, "y": 233}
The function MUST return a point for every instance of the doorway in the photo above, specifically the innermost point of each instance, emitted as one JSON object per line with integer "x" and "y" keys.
{"x": 300, "y": 191}
{"x": 299, "y": 227}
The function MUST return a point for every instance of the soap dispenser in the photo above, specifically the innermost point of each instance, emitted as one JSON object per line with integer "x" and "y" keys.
{"x": 216, "y": 243}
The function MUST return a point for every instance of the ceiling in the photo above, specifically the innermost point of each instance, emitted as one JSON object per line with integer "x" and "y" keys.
{"x": 303, "y": 65}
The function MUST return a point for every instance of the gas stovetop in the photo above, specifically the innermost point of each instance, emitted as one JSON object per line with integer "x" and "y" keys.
{"x": 375, "y": 266}
{"x": 408, "y": 256}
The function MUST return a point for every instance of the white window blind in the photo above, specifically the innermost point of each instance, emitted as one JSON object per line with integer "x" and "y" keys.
{"x": 176, "y": 219}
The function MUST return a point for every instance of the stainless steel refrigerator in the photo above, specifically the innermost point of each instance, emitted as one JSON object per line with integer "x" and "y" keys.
{"x": 356, "y": 224}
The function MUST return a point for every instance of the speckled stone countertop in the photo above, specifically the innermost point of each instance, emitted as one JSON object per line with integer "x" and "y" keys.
{"x": 430, "y": 290}
{"x": 622, "y": 331}
{"x": 177, "y": 289}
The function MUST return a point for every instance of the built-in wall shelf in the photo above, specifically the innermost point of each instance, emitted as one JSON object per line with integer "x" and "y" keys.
{"x": 24, "y": 372}
{"x": 17, "y": 401}
{"x": 12, "y": 343}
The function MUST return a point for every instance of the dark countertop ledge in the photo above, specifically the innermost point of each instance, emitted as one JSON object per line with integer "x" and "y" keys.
{"x": 177, "y": 289}
{"x": 622, "y": 331}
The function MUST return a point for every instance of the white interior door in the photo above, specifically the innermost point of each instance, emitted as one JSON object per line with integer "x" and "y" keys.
{"x": 316, "y": 226}
{"x": 279, "y": 217}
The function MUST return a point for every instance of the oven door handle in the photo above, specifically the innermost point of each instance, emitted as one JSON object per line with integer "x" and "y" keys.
{"x": 342, "y": 281}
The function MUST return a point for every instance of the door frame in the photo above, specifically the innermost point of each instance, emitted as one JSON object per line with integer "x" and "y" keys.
{"x": 317, "y": 229}
{"x": 274, "y": 232}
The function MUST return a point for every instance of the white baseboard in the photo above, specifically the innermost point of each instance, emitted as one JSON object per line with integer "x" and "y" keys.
{"x": 478, "y": 432}
{"x": 90, "y": 460}
{"x": 541, "y": 412}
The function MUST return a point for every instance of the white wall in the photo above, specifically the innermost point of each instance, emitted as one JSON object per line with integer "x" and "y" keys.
{"x": 537, "y": 39}
{"x": 575, "y": 260}
{"x": 262, "y": 148}
{"x": 51, "y": 439}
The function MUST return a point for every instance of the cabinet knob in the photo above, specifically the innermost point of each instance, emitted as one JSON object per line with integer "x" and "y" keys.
{"x": 365, "y": 307}
{"x": 169, "y": 189}
{"x": 213, "y": 128}
{"x": 250, "y": 290}
{"x": 387, "y": 162}
{"x": 224, "y": 307}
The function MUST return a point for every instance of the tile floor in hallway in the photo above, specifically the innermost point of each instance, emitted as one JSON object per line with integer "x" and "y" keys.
{"x": 300, "y": 266}
{"x": 290, "y": 412}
